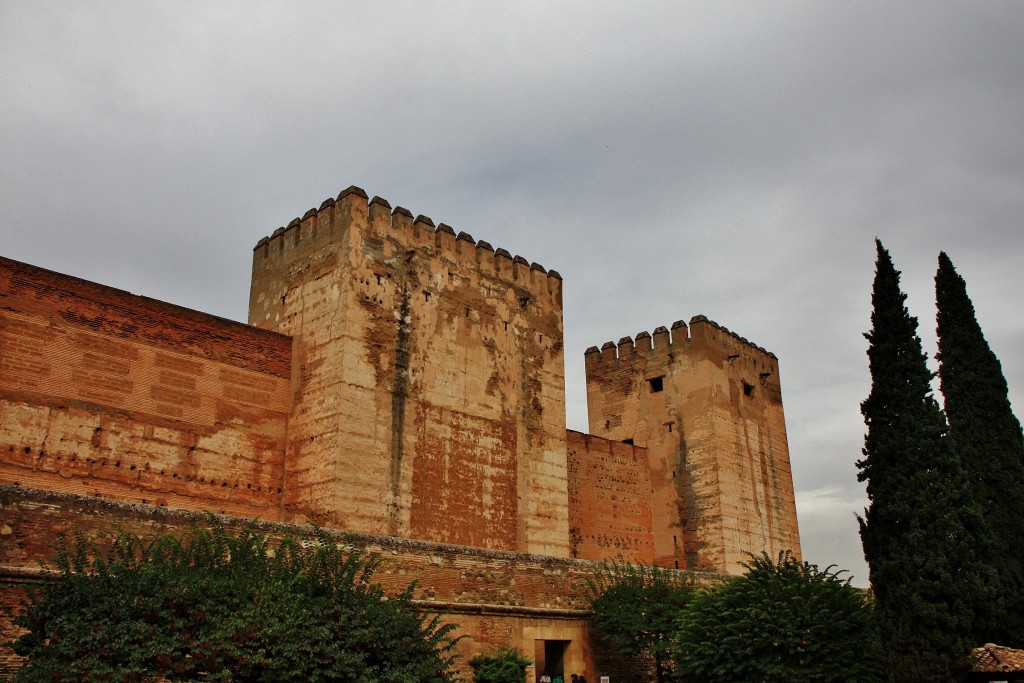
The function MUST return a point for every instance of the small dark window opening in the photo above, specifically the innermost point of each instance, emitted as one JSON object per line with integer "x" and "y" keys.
{"x": 677, "y": 564}
{"x": 656, "y": 384}
{"x": 378, "y": 279}
{"x": 669, "y": 424}
{"x": 426, "y": 296}
{"x": 673, "y": 474}
{"x": 748, "y": 389}
{"x": 629, "y": 441}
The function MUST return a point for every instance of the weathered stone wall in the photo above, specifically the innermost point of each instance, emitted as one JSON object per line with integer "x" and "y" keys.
{"x": 430, "y": 378}
{"x": 707, "y": 405}
{"x": 496, "y": 597}
{"x": 408, "y": 383}
{"x": 105, "y": 393}
{"x": 609, "y": 500}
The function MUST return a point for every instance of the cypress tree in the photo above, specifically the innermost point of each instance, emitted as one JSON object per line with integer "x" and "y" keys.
{"x": 916, "y": 531}
{"x": 988, "y": 439}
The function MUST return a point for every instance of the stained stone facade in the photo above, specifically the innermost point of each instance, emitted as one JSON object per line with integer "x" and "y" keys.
{"x": 395, "y": 380}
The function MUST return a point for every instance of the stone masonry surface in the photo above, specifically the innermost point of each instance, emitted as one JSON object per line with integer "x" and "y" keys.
{"x": 402, "y": 384}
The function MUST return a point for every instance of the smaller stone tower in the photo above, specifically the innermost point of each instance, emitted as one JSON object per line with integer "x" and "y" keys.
{"x": 707, "y": 405}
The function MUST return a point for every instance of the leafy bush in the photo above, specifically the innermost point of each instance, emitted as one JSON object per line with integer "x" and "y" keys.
{"x": 784, "y": 622}
{"x": 635, "y": 608}
{"x": 220, "y": 605}
{"x": 503, "y": 665}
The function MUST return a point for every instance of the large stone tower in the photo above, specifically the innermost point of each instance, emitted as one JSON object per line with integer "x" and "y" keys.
{"x": 428, "y": 378}
{"x": 707, "y": 406}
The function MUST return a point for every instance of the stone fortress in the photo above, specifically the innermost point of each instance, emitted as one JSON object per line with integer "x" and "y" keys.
{"x": 405, "y": 385}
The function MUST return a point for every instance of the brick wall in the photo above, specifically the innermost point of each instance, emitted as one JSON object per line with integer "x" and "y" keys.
{"x": 107, "y": 393}
{"x": 609, "y": 500}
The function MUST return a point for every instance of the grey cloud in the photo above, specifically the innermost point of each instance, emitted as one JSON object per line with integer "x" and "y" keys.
{"x": 733, "y": 159}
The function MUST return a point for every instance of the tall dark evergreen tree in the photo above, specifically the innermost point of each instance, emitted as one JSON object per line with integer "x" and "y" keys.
{"x": 917, "y": 530}
{"x": 988, "y": 439}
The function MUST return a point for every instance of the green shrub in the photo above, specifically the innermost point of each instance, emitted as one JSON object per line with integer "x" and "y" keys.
{"x": 503, "y": 665}
{"x": 782, "y": 622}
{"x": 222, "y": 605}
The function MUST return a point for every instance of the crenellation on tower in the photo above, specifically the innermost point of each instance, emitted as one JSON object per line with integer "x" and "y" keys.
{"x": 642, "y": 342}
{"x": 661, "y": 340}
{"x": 721, "y": 341}
{"x": 401, "y": 216}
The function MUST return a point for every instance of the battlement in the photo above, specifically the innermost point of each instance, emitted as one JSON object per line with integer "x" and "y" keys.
{"x": 703, "y": 335}
{"x": 340, "y": 219}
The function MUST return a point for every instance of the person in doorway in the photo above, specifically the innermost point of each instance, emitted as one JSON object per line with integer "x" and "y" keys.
{"x": 574, "y": 678}
{"x": 545, "y": 678}
{"x": 558, "y": 679}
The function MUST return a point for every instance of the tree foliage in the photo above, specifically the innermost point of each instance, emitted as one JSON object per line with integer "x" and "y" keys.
{"x": 220, "y": 605}
{"x": 988, "y": 439}
{"x": 920, "y": 529}
{"x": 782, "y": 622}
{"x": 634, "y": 607}
{"x": 503, "y": 665}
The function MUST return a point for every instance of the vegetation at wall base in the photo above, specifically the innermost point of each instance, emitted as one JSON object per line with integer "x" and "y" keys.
{"x": 920, "y": 528}
{"x": 222, "y": 605}
{"x": 503, "y": 665}
{"x": 988, "y": 440}
{"x": 635, "y": 607}
{"x": 784, "y": 621}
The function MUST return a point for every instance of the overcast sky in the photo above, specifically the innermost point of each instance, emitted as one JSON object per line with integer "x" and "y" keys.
{"x": 731, "y": 159}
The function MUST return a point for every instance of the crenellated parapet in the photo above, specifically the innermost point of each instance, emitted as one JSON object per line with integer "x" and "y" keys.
{"x": 702, "y": 336}
{"x": 339, "y": 218}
